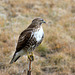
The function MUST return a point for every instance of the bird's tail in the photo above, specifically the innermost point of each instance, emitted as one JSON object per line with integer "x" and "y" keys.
{"x": 15, "y": 57}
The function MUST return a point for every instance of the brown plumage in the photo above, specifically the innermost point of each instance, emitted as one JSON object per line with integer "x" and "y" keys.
{"x": 29, "y": 39}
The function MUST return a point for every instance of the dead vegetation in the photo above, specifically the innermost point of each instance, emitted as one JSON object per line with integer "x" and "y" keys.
{"x": 56, "y": 54}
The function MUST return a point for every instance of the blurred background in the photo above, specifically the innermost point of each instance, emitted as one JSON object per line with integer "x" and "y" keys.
{"x": 56, "y": 54}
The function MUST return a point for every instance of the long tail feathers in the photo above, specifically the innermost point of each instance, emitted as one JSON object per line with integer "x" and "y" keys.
{"x": 14, "y": 59}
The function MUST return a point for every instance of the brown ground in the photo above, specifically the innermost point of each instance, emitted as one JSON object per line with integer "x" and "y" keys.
{"x": 56, "y": 54}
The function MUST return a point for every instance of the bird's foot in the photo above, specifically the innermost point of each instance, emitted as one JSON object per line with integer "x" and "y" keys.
{"x": 31, "y": 57}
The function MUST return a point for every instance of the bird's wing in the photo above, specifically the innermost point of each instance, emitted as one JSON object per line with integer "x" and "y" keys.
{"x": 23, "y": 39}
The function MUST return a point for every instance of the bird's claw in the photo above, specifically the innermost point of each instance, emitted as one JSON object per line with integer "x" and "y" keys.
{"x": 31, "y": 57}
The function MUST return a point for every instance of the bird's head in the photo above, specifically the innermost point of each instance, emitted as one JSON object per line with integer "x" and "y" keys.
{"x": 38, "y": 21}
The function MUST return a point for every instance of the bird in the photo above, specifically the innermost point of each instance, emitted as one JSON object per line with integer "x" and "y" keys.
{"x": 29, "y": 39}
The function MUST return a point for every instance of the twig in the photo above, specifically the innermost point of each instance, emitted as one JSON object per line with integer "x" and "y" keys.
{"x": 29, "y": 71}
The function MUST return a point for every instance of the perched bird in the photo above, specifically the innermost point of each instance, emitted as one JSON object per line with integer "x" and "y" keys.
{"x": 29, "y": 39}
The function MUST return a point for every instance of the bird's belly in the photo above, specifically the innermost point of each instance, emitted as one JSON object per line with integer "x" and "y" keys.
{"x": 34, "y": 43}
{"x": 31, "y": 45}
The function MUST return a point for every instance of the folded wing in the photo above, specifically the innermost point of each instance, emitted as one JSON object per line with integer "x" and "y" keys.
{"x": 23, "y": 39}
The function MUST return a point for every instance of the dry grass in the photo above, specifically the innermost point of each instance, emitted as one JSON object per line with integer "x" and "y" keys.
{"x": 56, "y": 54}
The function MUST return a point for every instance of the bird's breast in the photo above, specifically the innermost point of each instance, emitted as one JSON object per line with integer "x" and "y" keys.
{"x": 38, "y": 34}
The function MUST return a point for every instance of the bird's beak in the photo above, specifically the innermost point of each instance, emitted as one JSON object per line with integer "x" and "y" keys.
{"x": 44, "y": 22}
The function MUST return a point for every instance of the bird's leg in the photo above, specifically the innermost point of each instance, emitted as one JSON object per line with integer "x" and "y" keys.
{"x": 30, "y": 57}
{"x": 31, "y": 53}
